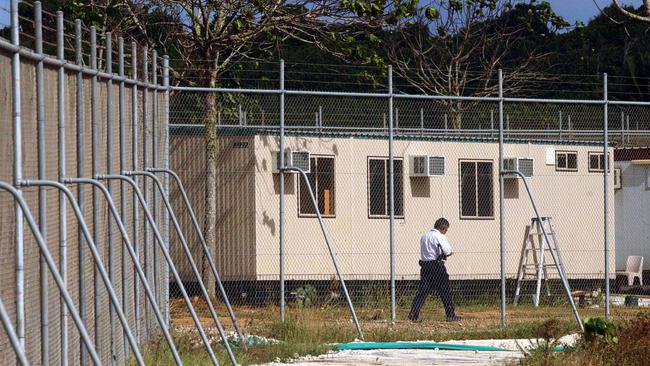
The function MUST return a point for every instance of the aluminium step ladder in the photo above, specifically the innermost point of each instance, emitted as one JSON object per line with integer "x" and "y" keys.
{"x": 534, "y": 263}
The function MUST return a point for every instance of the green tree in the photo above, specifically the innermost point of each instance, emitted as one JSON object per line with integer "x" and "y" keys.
{"x": 456, "y": 47}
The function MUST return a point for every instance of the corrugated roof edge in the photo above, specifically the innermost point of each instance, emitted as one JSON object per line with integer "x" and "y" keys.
{"x": 250, "y": 131}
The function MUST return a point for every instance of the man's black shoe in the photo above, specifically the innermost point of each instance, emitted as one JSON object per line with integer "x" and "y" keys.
{"x": 454, "y": 318}
{"x": 413, "y": 318}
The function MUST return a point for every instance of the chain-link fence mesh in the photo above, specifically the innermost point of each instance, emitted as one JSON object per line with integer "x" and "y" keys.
{"x": 446, "y": 164}
{"x": 225, "y": 147}
{"x": 90, "y": 115}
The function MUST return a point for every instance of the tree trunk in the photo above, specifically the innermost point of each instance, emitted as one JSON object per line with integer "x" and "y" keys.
{"x": 210, "y": 188}
{"x": 457, "y": 115}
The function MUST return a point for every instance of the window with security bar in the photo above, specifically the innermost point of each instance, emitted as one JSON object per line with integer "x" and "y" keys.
{"x": 566, "y": 161}
{"x": 597, "y": 162}
{"x": 378, "y": 187}
{"x": 476, "y": 189}
{"x": 322, "y": 181}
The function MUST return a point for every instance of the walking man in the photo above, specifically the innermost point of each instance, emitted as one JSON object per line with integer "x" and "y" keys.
{"x": 434, "y": 250}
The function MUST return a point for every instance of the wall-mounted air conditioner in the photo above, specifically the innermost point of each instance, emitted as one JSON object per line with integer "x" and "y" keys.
{"x": 426, "y": 165}
{"x": 617, "y": 178}
{"x": 522, "y": 165}
{"x": 292, "y": 158}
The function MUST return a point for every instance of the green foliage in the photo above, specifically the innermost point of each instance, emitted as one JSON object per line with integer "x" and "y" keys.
{"x": 306, "y": 296}
{"x": 432, "y": 13}
{"x": 599, "y": 328}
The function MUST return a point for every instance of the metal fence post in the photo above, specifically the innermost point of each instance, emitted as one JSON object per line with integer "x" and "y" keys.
{"x": 421, "y": 122}
{"x": 146, "y": 133}
{"x": 166, "y": 183}
{"x": 81, "y": 193}
{"x": 281, "y": 178}
{"x": 18, "y": 174}
{"x": 391, "y": 193}
{"x": 154, "y": 163}
{"x": 21, "y": 359}
{"x": 502, "y": 213}
{"x": 134, "y": 156}
{"x": 42, "y": 192}
{"x": 63, "y": 224}
{"x": 605, "y": 192}
{"x": 123, "y": 203}
{"x": 95, "y": 170}
{"x": 109, "y": 169}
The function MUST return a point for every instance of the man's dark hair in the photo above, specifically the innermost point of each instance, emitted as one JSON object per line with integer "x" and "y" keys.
{"x": 441, "y": 224}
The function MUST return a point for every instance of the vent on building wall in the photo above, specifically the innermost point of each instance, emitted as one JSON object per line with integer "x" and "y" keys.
{"x": 292, "y": 159}
{"x": 426, "y": 165}
{"x": 436, "y": 165}
{"x": 522, "y": 165}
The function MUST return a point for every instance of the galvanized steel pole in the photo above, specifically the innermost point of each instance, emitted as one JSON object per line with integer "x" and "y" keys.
{"x": 605, "y": 191}
{"x": 42, "y": 192}
{"x": 391, "y": 194}
{"x": 42, "y": 246}
{"x": 95, "y": 170}
{"x": 128, "y": 246}
{"x": 502, "y": 209}
{"x": 177, "y": 278}
{"x": 18, "y": 174}
{"x": 206, "y": 250}
{"x": 154, "y": 162}
{"x": 145, "y": 161}
{"x": 166, "y": 183}
{"x": 330, "y": 248}
{"x": 123, "y": 203}
{"x": 81, "y": 193}
{"x": 13, "y": 337}
{"x": 135, "y": 144}
{"x": 109, "y": 169}
{"x": 282, "y": 310}
{"x": 554, "y": 255}
{"x": 97, "y": 259}
{"x": 63, "y": 219}
{"x": 190, "y": 259}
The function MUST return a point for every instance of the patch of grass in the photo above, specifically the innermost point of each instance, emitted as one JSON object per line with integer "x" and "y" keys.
{"x": 632, "y": 348}
{"x": 311, "y": 330}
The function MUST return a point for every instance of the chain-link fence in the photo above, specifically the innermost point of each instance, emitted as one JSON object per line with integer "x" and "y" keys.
{"x": 82, "y": 112}
{"x": 309, "y": 196}
{"x": 269, "y": 241}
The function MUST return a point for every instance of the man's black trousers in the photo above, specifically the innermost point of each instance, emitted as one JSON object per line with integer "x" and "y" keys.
{"x": 433, "y": 275}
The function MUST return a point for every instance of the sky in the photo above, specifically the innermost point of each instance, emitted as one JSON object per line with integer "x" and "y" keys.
{"x": 571, "y": 10}
{"x": 583, "y": 10}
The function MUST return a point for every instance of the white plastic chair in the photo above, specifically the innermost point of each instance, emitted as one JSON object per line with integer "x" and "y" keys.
{"x": 633, "y": 269}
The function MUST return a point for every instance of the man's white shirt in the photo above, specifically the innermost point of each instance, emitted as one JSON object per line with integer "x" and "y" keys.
{"x": 429, "y": 250}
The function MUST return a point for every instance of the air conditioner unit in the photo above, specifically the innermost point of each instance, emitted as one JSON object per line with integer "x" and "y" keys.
{"x": 292, "y": 159}
{"x": 522, "y": 165}
{"x": 426, "y": 165}
{"x": 436, "y": 165}
{"x": 419, "y": 165}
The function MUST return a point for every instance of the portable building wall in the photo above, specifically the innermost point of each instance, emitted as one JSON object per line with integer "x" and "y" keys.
{"x": 248, "y": 214}
{"x": 632, "y": 205}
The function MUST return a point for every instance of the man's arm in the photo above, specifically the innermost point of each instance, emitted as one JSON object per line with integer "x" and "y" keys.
{"x": 444, "y": 244}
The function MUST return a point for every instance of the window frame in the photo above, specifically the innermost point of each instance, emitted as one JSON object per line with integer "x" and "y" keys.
{"x": 566, "y": 153}
{"x": 386, "y": 161}
{"x": 460, "y": 190}
{"x": 313, "y": 171}
{"x": 598, "y": 170}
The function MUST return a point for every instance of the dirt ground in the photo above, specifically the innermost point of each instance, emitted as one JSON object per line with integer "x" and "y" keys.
{"x": 253, "y": 319}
